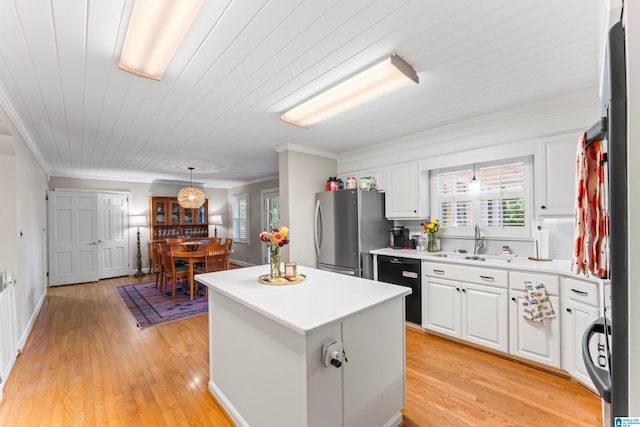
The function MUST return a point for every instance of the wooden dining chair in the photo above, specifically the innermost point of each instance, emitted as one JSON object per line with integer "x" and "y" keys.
{"x": 156, "y": 263}
{"x": 228, "y": 242}
{"x": 215, "y": 240}
{"x": 175, "y": 240}
{"x": 171, "y": 271}
{"x": 215, "y": 259}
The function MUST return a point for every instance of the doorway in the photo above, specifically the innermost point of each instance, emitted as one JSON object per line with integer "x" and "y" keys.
{"x": 270, "y": 215}
{"x": 88, "y": 236}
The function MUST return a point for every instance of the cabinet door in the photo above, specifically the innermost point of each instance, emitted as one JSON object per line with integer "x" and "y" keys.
{"x": 555, "y": 174}
{"x": 159, "y": 212}
{"x": 175, "y": 213}
{"x": 401, "y": 186}
{"x": 201, "y": 214}
{"x": 576, "y": 317}
{"x": 485, "y": 316}
{"x": 537, "y": 341}
{"x": 188, "y": 216}
{"x": 441, "y": 306}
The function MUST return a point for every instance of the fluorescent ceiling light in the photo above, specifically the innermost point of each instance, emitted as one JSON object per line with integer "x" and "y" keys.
{"x": 156, "y": 29}
{"x": 384, "y": 77}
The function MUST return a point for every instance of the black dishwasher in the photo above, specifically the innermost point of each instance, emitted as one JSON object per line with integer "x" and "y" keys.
{"x": 405, "y": 272}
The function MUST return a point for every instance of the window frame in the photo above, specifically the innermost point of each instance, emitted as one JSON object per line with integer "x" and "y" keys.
{"x": 238, "y": 221}
{"x": 523, "y": 232}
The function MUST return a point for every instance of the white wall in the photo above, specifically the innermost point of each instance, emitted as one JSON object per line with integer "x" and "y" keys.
{"x": 139, "y": 205}
{"x": 633, "y": 128}
{"x": 302, "y": 175}
{"x": 249, "y": 253}
{"x": 23, "y": 228}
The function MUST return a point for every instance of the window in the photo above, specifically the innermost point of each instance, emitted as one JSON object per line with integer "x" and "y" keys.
{"x": 501, "y": 206}
{"x": 241, "y": 218}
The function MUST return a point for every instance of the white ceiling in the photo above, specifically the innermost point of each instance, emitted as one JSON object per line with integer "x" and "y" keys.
{"x": 244, "y": 62}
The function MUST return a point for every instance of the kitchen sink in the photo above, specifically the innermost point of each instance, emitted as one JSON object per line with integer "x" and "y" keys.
{"x": 480, "y": 258}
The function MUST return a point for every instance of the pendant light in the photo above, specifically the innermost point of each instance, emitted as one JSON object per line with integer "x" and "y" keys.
{"x": 474, "y": 185}
{"x": 191, "y": 197}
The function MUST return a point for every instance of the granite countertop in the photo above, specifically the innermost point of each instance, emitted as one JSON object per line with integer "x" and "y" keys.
{"x": 324, "y": 296}
{"x": 507, "y": 262}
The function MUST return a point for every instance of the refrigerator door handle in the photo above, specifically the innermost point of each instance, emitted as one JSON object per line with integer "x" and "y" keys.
{"x": 318, "y": 224}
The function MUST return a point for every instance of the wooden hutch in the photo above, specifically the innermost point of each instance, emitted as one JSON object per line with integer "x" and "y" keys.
{"x": 169, "y": 219}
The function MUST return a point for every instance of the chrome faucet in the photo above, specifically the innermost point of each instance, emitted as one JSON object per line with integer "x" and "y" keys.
{"x": 478, "y": 241}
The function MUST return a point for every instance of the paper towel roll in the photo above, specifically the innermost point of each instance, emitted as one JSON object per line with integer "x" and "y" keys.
{"x": 542, "y": 237}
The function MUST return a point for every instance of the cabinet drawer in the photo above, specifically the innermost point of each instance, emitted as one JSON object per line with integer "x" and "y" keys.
{"x": 486, "y": 276}
{"x": 582, "y": 291}
{"x": 550, "y": 282}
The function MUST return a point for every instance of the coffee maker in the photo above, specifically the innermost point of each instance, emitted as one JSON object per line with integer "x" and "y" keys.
{"x": 400, "y": 238}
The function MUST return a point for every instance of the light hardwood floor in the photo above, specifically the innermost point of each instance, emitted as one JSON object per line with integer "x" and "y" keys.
{"x": 86, "y": 364}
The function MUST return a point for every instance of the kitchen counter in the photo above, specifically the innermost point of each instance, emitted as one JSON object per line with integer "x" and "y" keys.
{"x": 561, "y": 267}
{"x": 266, "y": 348}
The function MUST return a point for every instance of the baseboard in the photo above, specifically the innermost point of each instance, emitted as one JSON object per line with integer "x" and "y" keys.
{"x": 241, "y": 263}
{"x": 32, "y": 321}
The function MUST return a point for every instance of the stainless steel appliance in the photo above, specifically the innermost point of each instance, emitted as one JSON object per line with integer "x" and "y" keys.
{"x": 348, "y": 224}
{"x": 404, "y": 272}
{"x": 610, "y": 371}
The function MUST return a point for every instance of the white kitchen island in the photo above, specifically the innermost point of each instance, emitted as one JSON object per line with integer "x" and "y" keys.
{"x": 266, "y": 349}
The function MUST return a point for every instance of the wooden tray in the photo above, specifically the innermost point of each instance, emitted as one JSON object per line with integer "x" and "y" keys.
{"x": 281, "y": 281}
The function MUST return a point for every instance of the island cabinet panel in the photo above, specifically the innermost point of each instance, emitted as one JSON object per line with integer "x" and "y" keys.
{"x": 266, "y": 349}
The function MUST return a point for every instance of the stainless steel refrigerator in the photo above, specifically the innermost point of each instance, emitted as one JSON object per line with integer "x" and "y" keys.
{"x": 348, "y": 224}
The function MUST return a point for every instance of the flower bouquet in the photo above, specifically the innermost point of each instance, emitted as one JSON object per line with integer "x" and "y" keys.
{"x": 276, "y": 238}
{"x": 431, "y": 229}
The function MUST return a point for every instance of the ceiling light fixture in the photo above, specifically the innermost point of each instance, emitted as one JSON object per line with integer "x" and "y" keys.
{"x": 156, "y": 29}
{"x": 384, "y": 77}
{"x": 191, "y": 197}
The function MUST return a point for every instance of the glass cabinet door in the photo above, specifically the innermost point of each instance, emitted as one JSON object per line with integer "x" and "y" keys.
{"x": 159, "y": 214}
{"x": 202, "y": 215}
{"x": 188, "y": 216}
{"x": 175, "y": 213}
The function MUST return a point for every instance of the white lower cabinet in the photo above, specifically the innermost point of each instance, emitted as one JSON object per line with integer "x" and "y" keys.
{"x": 580, "y": 308}
{"x": 441, "y": 308}
{"x": 485, "y": 316}
{"x": 485, "y": 306}
{"x": 474, "y": 312}
{"x": 534, "y": 340}
{"x": 537, "y": 341}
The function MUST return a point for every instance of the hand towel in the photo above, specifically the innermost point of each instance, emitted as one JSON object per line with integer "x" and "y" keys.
{"x": 590, "y": 221}
{"x": 536, "y": 304}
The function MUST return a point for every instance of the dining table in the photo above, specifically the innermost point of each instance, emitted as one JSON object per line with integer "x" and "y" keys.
{"x": 192, "y": 257}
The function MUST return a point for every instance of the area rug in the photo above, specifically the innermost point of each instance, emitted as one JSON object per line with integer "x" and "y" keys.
{"x": 150, "y": 307}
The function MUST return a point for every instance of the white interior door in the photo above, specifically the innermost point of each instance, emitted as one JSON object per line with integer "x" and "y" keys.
{"x": 270, "y": 215}
{"x": 73, "y": 237}
{"x": 113, "y": 235}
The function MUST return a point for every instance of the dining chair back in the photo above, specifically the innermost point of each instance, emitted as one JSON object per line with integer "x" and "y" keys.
{"x": 175, "y": 240}
{"x": 171, "y": 271}
{"x": 215, "y": 258}
{"x": 215, "y": 240}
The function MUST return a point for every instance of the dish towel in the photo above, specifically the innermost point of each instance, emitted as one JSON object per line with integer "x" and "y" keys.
{"x": 536, "y": 304}
{"x": 590, "y": 221}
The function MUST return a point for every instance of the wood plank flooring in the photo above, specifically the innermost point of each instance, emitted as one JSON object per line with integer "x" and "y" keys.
{"x": 86, "y": 364}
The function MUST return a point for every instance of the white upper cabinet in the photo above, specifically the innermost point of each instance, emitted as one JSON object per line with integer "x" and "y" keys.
{"x": 407, "y": 191}
{"x": 555, "y": 174}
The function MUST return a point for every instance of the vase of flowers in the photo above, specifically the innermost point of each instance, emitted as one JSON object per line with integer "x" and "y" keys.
{"x": 276, "y": 238}
{"x": 431, "y": 230}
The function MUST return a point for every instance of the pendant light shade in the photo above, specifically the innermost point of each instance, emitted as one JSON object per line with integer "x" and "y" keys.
{"x": 474, "y": 185}
{"x": 191, "y": 197}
